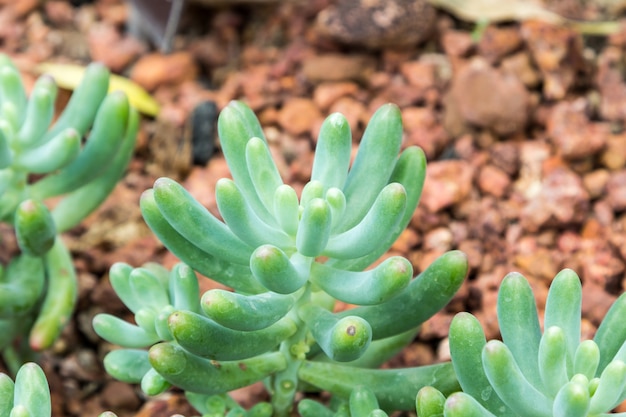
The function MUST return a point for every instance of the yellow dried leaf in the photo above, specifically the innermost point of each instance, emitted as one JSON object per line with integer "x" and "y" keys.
{"x": 68, "y": 76}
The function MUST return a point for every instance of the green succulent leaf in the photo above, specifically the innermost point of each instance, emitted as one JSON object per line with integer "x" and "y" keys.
{"x": 586, "y": 359}
{"x": 34, "y": 228}
{"x": 332, "y": 152}
{"x": 467, "y": 341}
{"x": 197, "y": 225}
{"x": 519, "y": 325}
{"x": 572, "y": 400}
{"x": 378, "y": 223}
{"x": 21, "y": 286}
{"x": 243, "y": 221}
{"x": 117, "y": 331}
{"x": 395, "y": 389}
{"x": 610, "y": 390}
{"x": 431, "y": 291}
{"x": 563, "y": 307}
{"x": 342, "y": 339}
{"x": 39, "y": 113}
{"x": 429, "y": 402}
{"x": 55, "y": 154}
{"x": 127, "y": 365}
{"x": 362, "y": 401}
{"x": 208, "y": 339}
{"x": 462, "y": 405}
{"x": 184, "y": 289}
{"x": 32, "y": 391}
{"x": 191, "y": 372}
{"x": 266, "y": 178}
{"x": 611, "y": 333}
{"x": 510, "y": 383}
{"x": 553, "y": 360}
{"x": 225, "y": 271}
{"x": 59, "y": 300}
{"x": 246, "y": 313}
{"x": 314, "y": 228}
{"x": 277, "y": 272}
{"x": 373, "y": 164}
{"x": 364, "y": 288}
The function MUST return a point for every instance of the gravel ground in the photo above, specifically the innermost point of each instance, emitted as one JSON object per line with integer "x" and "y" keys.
{"x": 522, "y": 123}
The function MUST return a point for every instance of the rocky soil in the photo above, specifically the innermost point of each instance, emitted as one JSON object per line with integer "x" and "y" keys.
{"x": 522, "y": 123}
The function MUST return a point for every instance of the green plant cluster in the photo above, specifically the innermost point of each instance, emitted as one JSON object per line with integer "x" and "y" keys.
{"x": 290, "y": 259}
{"x": 42, "y": 160}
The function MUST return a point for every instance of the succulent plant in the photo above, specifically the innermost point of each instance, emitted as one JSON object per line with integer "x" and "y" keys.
{"x": 533, "y": 374}
{"x": 288, "y": 259}
{"x": 39, "y": 162}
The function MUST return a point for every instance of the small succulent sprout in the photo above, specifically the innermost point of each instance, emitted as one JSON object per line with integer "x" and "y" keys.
{"x": 288, "y": 259}
{"x": 530, "y": 373}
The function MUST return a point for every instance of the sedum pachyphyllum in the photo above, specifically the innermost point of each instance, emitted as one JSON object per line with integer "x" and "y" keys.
{"x": 528, "y": 373}
{"x": 40, "y": 160}
{"x": 288, "y": 259}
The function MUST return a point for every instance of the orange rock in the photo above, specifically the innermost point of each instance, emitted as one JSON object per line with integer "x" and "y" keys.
{"x": 155, "y": 69}
{"x": 298, "y": 116}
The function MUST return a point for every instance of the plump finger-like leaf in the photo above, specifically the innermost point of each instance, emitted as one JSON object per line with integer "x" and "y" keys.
{"x": 311, "y": 408}
{"x": 277, "y": 272}
{"x": 55, "y": 154}
{"x": 117, "y": 331}
{"x": 563, "y": 307}
{"x": 377, "y": 153}
{"x": 395, "y": 389}
{"x": 184, "y": 288}
{"x": 39, "y": 113}
{"x": 198, "y": 225}
{"x": 553, "y": 360}
{"x": 362, "y": 401}
{"x": 34, "y": 227}
{"x": 7, "y": 389}
{"x": 60, "y": 298}
{"x": 429, "y": 292}
{"x": 519, "y": 325}
{"x": 367, "y": 287}
{"x": 460, "y": 404}
{"x": 127, "y": 365}
{"x": 11, "y": 88}
{"x": 104, "y": 141}
{"x": 265, "y": 175}
{"x": 511, "y": 384}
{"x": 148, "y": 289}
{"x": 78, "y": 204}
{"x": 332, "y": 152}
{"x": 236, "y": 125}
{"x": 586, "y": 359}
{"x": 246, "y": 313}
{"x": 611, "y": 333}
{"x": 286, "y": 209}
{"x": 429, "y": 402}
{"x": 467, "y": 341}
{"x": 225, "y": 271}
{"x": 314, "y": 228}
{"x": 191, "y": 372}
{"x": 609, "y": 392}
{"x": 342, "y": 339}
{"x": 32, "y": 391}
{"x": 379, "y": 221}
{"x": 206, "y": 338}
{"x": 572, "y": 400}
{"x": 153, "y": 384}
{"x": 243, "y": 221}
{"x": 21, "y": 286}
